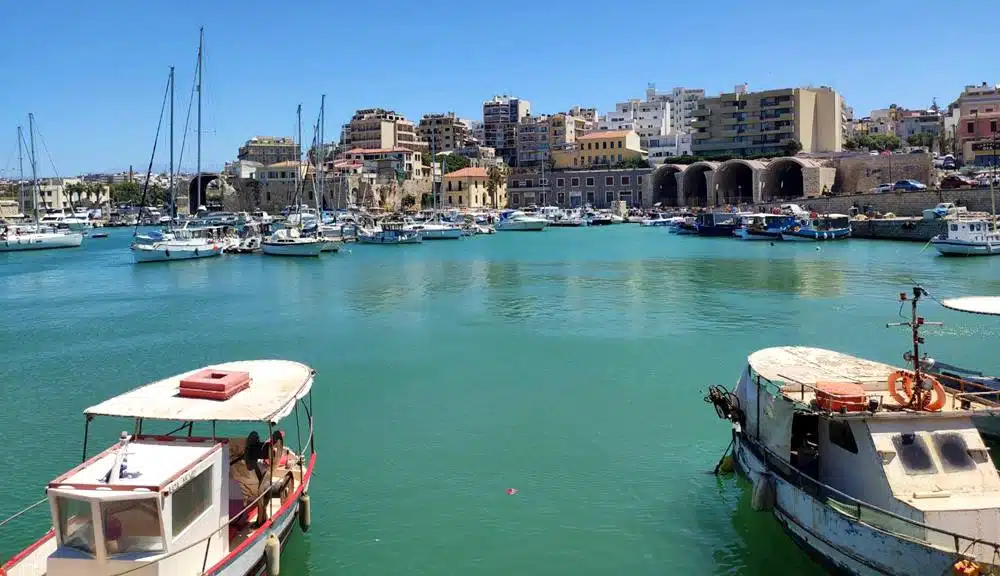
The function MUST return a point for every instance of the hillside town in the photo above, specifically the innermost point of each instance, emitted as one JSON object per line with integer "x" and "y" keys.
{"x": 677, "y": 147}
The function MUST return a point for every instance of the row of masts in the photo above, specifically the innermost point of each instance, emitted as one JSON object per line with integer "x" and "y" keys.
{"x": 34, "y": 165}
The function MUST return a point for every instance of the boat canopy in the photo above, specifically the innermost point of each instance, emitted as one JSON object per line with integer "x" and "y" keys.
{"x": 802, "y": 365}
{"x": 275, "y": 386}
{"x": 989, "y": 305}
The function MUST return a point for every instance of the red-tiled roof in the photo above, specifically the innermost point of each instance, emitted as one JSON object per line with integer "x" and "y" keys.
{"x": 601, "y": 134}
{"x": 470, "y": 172}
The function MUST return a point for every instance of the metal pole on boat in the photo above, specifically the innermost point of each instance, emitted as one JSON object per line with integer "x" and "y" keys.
{"x": 298, "y": 163}
{"x": 20, "y": 167}
{"x": 201, "y": 41}
{"x": 34, "y": 165}
{"x": 173, "y": 195}
{"x": 322, "y": 151}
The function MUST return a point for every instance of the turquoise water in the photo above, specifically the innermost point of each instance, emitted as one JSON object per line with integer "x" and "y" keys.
{"x": 569, "y": 364}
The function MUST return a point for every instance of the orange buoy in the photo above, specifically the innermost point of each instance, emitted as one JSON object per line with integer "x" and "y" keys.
{"x": 932, "y": 403}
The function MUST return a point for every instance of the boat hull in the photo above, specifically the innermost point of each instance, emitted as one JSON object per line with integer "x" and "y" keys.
{"x": 835, "y": 539}
{"x": 963, "y": 248}
{"x": 655, "y": 223}
{"x": 142, "y": 253}
{"x": 744, "y": 234}
{"x": 295, "y": 249}
{"x": 815, "y": 235}
{"x": 390, "y": 239}
{"x": 330, "y": 245}
{"x": 521, "y": 226}
{"x": 723, "y": 230}
{"x": 443, "y": 234}
{"x": 24, "y": 242}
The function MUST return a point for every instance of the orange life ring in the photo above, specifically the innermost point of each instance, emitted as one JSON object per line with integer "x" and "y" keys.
{"x": 903, "y": 399}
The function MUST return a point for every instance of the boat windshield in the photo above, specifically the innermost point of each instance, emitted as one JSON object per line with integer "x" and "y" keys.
{"x": 132, "y": 526}
{"x": 76, "y": 524}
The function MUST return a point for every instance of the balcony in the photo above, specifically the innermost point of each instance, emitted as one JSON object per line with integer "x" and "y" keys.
{"x": 786, "y": 116}
{"x": 700, "y": 124}
{"x": 701, "y": 112}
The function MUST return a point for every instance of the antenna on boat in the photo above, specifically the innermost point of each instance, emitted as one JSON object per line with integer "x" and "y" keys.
{"x": 923, "y": 386}
{"x": 119, "y": 467}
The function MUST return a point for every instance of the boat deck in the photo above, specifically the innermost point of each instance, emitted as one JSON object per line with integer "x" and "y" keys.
{"x": 798, "y": 370}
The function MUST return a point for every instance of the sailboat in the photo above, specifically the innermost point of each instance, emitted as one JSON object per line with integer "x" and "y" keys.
{"x": 187, "y": 243}
{"x": 38, "y": 236}
{"x": 290, "y": 241}
{"x": 331, "y": 234}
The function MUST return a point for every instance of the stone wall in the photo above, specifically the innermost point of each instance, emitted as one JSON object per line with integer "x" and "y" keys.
{"x": 898, "y": 229}
{"x": 899, "y": 203}
{"x": 861, "y": 173}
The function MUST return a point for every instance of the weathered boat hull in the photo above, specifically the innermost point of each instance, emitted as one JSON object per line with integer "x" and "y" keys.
{"x": 745, "y": 234}
{"x": 832, "y": 537}
{"x": 815, "y": 235}
{"x": 166, "y": 253}
{"x": 961, "y": 248}
{"x": 299, "y": 249}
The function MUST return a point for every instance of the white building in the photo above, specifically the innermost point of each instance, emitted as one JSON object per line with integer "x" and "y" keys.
{"x": 662, "y": 120}
{"x": 673, "y": 144}
{"x": 683, "y": 102}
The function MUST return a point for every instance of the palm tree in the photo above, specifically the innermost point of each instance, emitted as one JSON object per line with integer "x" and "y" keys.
{"x": 496, "y": 176}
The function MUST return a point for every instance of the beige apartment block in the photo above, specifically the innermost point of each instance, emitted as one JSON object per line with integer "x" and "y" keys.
{"x": 445, "y": 132}
{"x": 743, "y": 123}
{"x": 379, "y": 129}
{"x": 601, "y": 149}
{"x": 269, "y": 150}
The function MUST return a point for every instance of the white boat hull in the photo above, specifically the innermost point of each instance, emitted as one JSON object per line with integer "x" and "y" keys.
{"x": 293, "y": 248}
{"x": 331, "y": 244}
{"x": 521, "y": 226}
{"x": 442, "y": 234}
{"x": 837, "y": 540}
{"x": 44, "y": 241}
{"x": 965, "y": 248}
{"x": 165, "y": 252}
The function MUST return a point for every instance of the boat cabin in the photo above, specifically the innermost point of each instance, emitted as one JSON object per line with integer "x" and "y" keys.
{"x": 975, "y": 231}
{"x": 183, "y": 503}
{"x": 835, "y": 426}
{"x": 826, "y": 222}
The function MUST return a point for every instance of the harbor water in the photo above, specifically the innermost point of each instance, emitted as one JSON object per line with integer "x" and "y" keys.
{"x": 569, "y": 365}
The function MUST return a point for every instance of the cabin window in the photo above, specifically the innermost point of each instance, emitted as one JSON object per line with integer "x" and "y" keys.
{"x": 913, "y": 454}
{"x": 841, "y": 435}
{"x": 954, "y": 452}
{"x": 76, "y": 524}
{"x": 954, "y": 227}
{"x": 132, "y": 526}
{"x": 191, "y": 500}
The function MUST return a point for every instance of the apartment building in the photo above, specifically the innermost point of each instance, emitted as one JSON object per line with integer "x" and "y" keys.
{"x": 269, "y": 150}
{"x": 743, "y": 123}
{"x": 600, "y": 149}
{"x": 538, "y": 136}
{"x": 975, "y": 123}
{"x": 599, "y": 188}
{"x": 396, "y": 158}
{"x": 380, "y": 129}
{"x": 683, "y": 103}
{"x": 445, "y": 132}
{"x": 914, "y": 122}
{"x": 501, "y": 117}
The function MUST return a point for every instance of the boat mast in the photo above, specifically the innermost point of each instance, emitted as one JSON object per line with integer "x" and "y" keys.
{"x": 320, "y": 171}
{"x": 173, "y": 194}
{"x": 201, "y": 41}
{"x": 298, "y": 162}
{"x": 20, "y": 167}
{"x": 34, "y": 166}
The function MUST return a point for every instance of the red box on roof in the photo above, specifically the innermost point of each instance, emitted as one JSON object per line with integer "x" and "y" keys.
{"x": 837, "y": 396}
{"x": 214, "y": 384}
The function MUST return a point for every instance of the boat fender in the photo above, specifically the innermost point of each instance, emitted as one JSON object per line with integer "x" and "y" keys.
{"x": 195, "y": 251}
{"x": 272, "y": 554}
{"x": 305, "y": 512}
{"x": 167, "y": 253}
{"x": 762, "y": 499}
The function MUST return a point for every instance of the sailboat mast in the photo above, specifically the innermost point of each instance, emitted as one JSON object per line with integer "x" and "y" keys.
{"x": 201, "y": 41}
{"x": 20, "y": 167}
{"x": 298, "y": 158}
{"x": 34, "y": 167}
{"x": 173, "y": 193}
{"x": 321, "y": 172}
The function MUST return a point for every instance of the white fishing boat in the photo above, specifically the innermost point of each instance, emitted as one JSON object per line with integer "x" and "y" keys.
{"x": 187, "y": 502}
{"x": 20, "y": 238}
{"x": 870, "y": 468}
{"x": 973, "y": 237}
{"x": 657, "y": 221}
{"x": 289, "y": 242}
{"x": 187, "y": 243}
{"x": 817, "y": 228}
{"x": 518, "y": 221}
{"x": 390, "y": 233}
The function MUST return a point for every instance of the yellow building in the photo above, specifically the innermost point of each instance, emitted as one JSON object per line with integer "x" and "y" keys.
{"x": 602, "y": 149}
{"x": 466, "y": 188}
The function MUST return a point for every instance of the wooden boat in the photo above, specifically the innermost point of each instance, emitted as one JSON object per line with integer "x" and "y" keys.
{"x": 868, "y": 478}
{"x": 191, "y": 501}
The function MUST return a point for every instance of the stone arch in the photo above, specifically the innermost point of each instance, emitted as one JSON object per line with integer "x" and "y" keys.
{"x": 665, "y": 188}
{"x": 784, "y": 178}
{"x": 198, "y": 190}
{"x": 736, "y": 181}
{"x": 697, "y": 183}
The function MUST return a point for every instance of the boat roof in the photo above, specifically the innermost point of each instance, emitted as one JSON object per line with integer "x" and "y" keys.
{"x": 804, "y": 365}
{"x": 151, "y": 464}
{"x": 989, "y": 305}
{"x": 275, "y": 385}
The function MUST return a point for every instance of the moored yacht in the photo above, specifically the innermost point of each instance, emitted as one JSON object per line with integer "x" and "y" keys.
{"x": 390, "y": 233}
{"x": 973, "y": 237}
{"x": 290, "y": 242}
{"x": 717, "y": 223}
{"x": 190, "y": 501}
{"x": 870, "y": 468}
{"x": 186, "y": 243}
{"x": 72, "y": 222}
{"x": 18, "y": 238}
{"x": 518, "y": 221}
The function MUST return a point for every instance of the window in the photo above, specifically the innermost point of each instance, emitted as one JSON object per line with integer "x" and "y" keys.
{"x": 574, "y": 182}
{"x": 590, "y": 145}
{"x": 609, "y": 196}
{"x": 560, "y": 182}
{"x": 190, "y": 500}
{"x": 449, "y": 198}
{"x": 971, "y": 128}
{"x": 138, "y": 521}
{"x": 590, "y": 197}
{"x": 841, "y": 435}
{"x": 625, "y": 180}
{"x": 605, "y": 145}
{"x": 953, "y": 451}
{"x": 459, "y": 198}
{"x": 574, "y": 161}
{"x": 913, "y": 454}
{"x": 449, "y": 186}
{"x": 609, "y": 180}
{"x": 543, "y": 182}
{"x": 528, "y": 183}
{"x": 514, "y": 183}
{"x": 619, "y": 157}
{"x": 515, "y": 199}
{"x": 639, "y": 179}
{"x": 993, "y": 125}
{"x": 619, "y": 143}
{"x": 76, "y": 524}
{"x": 541, "y": 198}
{"x": 561, "y": 198}
{"x": 590, "y": 181}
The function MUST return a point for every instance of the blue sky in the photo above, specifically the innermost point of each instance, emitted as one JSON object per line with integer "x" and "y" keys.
{"x": 94, "y": 72}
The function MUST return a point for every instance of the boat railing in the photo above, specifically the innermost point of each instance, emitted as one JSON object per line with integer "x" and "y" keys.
{"x": 868, "y": 514}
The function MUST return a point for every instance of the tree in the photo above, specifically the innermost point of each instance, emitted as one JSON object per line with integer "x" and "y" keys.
{"x": 496, "y": 177}
{"x": 921, "y": 139}
{"x": 883, "y": 142}
{"x": 792, "y": 147}
{"x": 633, "y": 162}
{"x": 126, "y": 193}
{"x": 453, "y": 162}
{"x": 850, "y": 144}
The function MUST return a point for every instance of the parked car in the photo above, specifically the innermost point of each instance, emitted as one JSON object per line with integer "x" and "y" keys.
{"x": 881, "y": 188}
{"x": 954, "y": 181}
{"x": 909, "y": 185}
